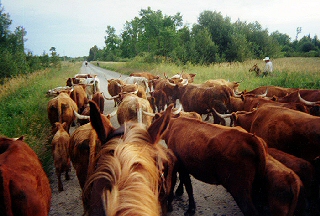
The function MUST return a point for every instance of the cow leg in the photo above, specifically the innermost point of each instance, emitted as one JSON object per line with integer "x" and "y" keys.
{"x": 67, "y": 177}
{"x": 60, "y": 186}
{"x": 185, "y": 178}
{"x": 179, "y": 190}
{"x": 243, "y": 198}
{"x": 170, "y": 196}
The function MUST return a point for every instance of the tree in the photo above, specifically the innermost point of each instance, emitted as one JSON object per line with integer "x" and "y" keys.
{"x": 112, "y": 41}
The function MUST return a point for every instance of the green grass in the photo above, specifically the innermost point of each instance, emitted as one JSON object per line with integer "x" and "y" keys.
{"x": 24, "y": 107}
{"x": 288, "y": 72}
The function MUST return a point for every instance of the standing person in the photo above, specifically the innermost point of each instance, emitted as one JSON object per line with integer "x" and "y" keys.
{"x": 268, "y": 68}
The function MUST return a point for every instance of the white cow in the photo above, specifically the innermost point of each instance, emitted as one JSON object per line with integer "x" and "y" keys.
{"x": 139, "y": 80}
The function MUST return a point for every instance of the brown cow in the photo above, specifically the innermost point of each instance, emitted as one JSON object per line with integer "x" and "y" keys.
{"x": 288, "y": 130}
{"x": 98, "y": 98}
{"x": 79, "y": 96}
{"x": 281, "y": 190}
{"x": 61, "y": 109}
{"x": 81, "y": 142}
{"x": 232, "y": 85}
{"x": 60, "y": 144}
{"x": 135, "y": 89}
{"x": 129, "y": 107}
{"x": 216, "y": 154}
{"x": 251, "y": 101}
{"x": 114, "y": 88}
{"x": 309, "y": 98}
{"x": 272, "y": 91}
{"x": 305, "y": 170}
{"x": 24, "y": 186}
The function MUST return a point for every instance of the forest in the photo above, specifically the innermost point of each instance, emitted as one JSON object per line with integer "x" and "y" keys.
{"x": 214, "y": 38}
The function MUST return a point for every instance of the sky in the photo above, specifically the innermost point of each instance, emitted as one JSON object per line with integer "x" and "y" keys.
{"x": 74, "y": 26}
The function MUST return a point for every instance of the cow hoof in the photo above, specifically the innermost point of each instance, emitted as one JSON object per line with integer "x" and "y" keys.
{"x": 190, "y": 212}
{"x": 169, "y": 208}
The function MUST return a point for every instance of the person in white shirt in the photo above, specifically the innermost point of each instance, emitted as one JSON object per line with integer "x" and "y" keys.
{"x": 268, "y": 68}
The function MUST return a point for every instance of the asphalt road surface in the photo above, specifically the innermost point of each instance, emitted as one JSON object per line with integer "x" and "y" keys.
{"x": 210, "y": 200}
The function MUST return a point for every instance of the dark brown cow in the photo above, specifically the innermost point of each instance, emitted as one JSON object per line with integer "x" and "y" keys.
{"x": 166, "y": 86}
{"x": 216, "y": 154}
{"x": 60, "y": 144}
{"x": 24, "y": 186}
{"x": 114, "y": 88}
{"x": 160, "y": 99}
{"x": 288, "y": 130}
{"x": 272, "y": 91}
{"x": 61, "y": 109}
{"x": 202, "y": 100}
{"x": 99, "y": 99}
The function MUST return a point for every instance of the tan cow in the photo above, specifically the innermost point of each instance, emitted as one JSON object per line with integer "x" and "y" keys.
{"x": 24, "y": 186}
{"x": 114, "y": 88}
{"x": 61, "y": 109}
{"x": 130, "y": 107}
{"x": 60, "y": 144}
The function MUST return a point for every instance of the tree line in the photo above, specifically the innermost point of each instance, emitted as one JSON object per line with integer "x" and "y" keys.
{"x": 13, "y": 58}
{"x": 214, "y": 38}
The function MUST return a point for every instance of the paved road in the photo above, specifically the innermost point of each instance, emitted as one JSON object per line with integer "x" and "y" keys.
{"x": 210, "y": 199}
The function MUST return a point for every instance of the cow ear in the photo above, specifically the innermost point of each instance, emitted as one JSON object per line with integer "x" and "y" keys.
{"x": 98, "y": 122}
{"x": 157, "y": 128}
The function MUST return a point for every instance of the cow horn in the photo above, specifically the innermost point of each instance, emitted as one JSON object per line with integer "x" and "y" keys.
{"x": 264, "y": 94}
{"x": 79, "y": 116}
{"x": 309, "y": 103}
{"x": 170, "y": 83}
{"x": 114, "y": 97}
{"x": 178, "y": 110}
{"x": 222, "y": 115}
{"x": 113, "y": 113}
{"x": 235, "y": 95}
{"x": 148, "y": 113}
{"x": 185, "y": 82}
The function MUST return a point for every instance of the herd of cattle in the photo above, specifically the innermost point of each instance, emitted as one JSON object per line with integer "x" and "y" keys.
{"x": 263, "y": 146}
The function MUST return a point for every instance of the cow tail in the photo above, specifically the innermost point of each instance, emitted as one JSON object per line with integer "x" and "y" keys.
{"x": 92, "y": 153}
{"x": 59, "y": 110}
{"x": 5, "y": 195}
{"x": 297, "y": 194}
{"x": 260, "y": 148}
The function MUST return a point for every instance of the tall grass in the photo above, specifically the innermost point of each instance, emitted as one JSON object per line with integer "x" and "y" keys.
{"x": 24, "y": 107}
{"x": 288, "y": 72}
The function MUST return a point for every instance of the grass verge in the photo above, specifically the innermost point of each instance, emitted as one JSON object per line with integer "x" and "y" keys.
{"x": 24, "y": 108}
